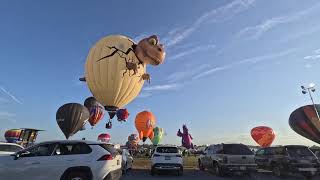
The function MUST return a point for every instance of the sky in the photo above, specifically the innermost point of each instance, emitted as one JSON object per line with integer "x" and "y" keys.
{"x": 230, "y": 65}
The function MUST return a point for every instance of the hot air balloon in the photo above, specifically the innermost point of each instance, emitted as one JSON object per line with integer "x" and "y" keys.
{"x": 305, "y": 122}
{"x": 158, "y": 134}
{"x": 71, "y": 118}
{"x": 145, "y": 122}
{"x": 122, "y": 114}
{"x": 90, "y": 102}
{"x": 115, "y": 69}
{"x": 12, "y": 135}
{"x": 263, "y": 135}
{"x": 134, "y": 138}
{"x": 104, "y": 137}
{"x": 186, "y": 138}
{"x": 96, "y": 114}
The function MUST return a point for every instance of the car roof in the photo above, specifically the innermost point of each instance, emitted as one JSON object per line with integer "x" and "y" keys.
{"x": 72, "y": 142}
{"x": 12, "y": 144}
{"x": 166, "y": 146}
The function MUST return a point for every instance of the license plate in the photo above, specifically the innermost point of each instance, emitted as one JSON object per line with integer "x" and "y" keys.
{"x": 243, "y": 168}
{"x": 307, "y": 169}
{"x": 167, "y": 158}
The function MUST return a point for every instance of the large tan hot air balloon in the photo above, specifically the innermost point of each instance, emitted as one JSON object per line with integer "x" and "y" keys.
{"x": 115, "y": 69}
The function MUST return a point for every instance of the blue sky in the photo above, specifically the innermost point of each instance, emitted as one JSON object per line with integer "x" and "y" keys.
{"x": 230, "y": 65}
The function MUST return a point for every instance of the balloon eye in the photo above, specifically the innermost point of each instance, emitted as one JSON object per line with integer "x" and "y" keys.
{"x": 153, "y": 41}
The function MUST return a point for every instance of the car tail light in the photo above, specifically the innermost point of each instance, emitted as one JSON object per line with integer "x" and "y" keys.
{"x": 178, "y": 155}
{"x": 105, "y": 157}
{"x": 156, "y": 155}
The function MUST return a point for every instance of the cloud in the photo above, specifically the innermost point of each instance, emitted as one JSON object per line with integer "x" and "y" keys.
{"x": 314, "y": 55}
{"x": 254, "y": 32}
{"x": 189, "y": 72}
{"x": 192, "y": 51}
{"x": 245, "y": 61}
{"x": 216, "y": 15}
{"x": 10, "y": 95}
{"x": 164, "y": 87}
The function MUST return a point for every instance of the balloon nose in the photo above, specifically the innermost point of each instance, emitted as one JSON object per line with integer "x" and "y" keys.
{"x": 144, "y": 139}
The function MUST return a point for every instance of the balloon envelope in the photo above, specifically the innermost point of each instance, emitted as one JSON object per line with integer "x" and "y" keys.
{"x": 96, "y": 114}
{"x": 145, "y": 122}
{"x": 12, "y": 135}
{"x": 158, "y": 134}
{"x": 90, "y": 102}
{"x": 104, "y": 138}
{"x": 109, "y": 79}
{"x": 305, "y": 122}
{"x": 71, "y": 118}
{"x": 134, "y": 138}
{"x": 263, "y": 135}
{"x": 122, "y": 114}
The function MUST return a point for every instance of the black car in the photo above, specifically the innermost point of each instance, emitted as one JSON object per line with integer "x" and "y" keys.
{"x": 288, "y": 159}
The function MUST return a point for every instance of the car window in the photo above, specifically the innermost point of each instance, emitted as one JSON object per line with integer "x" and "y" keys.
{"x": 39, "y": 150}
{"x": 236, "y": 149}
{"x": 72, "y": 149}
{"x": 167, "y": 150}
{"x": 110, "y": 148}
{"x": 10, "y": 148}
{"x": 299, "y": 151}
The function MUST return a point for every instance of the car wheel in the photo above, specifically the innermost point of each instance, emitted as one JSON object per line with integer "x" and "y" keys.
{"x": 201, "y": 167}
{"x": 217, "y": 170}
{"x": 153, "y": 172}
{"x": 77, "y": 175}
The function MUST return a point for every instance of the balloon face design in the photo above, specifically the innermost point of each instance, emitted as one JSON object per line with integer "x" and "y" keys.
{"x": 263, "y": 135}
{"x": 145, "y": 122}
{"x": 71, "y": 118}
{"x": 305, "y": 122}
{"x": 12, "y": 135}
{"x": 158, "y": 134}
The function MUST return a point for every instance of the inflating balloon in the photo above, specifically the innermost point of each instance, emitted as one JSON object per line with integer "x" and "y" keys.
{"x": 104, "y": 138}
{"x": 12, "y": 135}
{"x": 145, "y": 122}
{"x": 263, "y": 135}
{"x": 186, "y": 137}
{"x": 71, "y": 118}
{"x": 305, "y": 122}
{"x": 115, "y": 69}
{"x": 158, "y": 134}
{"x": 122, "y": 114}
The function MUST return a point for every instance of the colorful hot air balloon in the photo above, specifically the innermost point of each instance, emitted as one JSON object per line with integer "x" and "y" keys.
{"x": 122, "y": 114}
{"x": 158, "y": 134}
{"x": 134, "y": 138}
{"x": 12, "y": 135}
{"x": 145, "y": 122}
{"x": 186, "y": 138}
{"x": 305, "y": 122}
{"x": 71, "y": 118}
{"x": 115, "y": 69}
{"x": 96, "y": 114}
{"x": 90, "y": 102}
{"x": 263, "y": 135}
{"x": 104, "y": 137}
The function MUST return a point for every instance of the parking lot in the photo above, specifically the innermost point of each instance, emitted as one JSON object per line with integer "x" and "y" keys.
{"x": 190, "y": 174}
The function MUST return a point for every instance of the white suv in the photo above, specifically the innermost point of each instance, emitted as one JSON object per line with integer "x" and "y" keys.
{"x": 9, "y": 148}
{"x": 166, "y": 158}
{"x": 65, "y": 160}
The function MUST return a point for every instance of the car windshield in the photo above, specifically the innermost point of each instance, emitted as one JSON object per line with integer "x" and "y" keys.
{"x": 167, "y": 150}
{"x": 236, "y": 149}
{"x": 299, "y": 151}
{"x": 9, "y": 148}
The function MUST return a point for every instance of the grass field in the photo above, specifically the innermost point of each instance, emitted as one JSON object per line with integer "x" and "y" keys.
{"x": 145, "y": 163}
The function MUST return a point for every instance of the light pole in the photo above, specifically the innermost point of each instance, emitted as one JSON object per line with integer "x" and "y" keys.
{"x": 310, "y": 89}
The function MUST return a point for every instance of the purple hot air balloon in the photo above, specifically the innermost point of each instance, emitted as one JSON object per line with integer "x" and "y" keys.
{"x": 186, "y": 137}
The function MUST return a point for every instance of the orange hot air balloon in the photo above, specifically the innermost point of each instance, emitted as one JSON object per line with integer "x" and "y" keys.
{"x": 263, "y": 135}
{"x": 145, "y": 122}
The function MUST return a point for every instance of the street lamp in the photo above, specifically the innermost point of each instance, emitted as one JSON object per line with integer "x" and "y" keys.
{"x": 310, "y": 89}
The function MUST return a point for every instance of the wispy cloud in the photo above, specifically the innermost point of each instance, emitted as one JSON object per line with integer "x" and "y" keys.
{"x": 216, "y": 15}
{"x": 315, "y": 55}
{"x": 192, "y": 51}
{"x": 189, "y": 72}
{"x": 245, "y": 61}
{"x": 255, "y": 32}
{"x": 10, "y": 95}
{"x": 164, "y": 87}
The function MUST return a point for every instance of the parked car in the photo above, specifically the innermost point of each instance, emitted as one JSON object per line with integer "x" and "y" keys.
{"x": 127, "y": 160}
{"x": 66, "y": 160}
{"x": 227, "y": 158}
{"x": 9, "y": 148}
{"x": 166, "y": 158}
{"x": 288, "y": 159}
